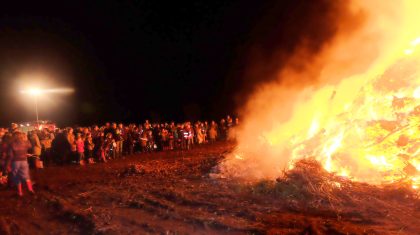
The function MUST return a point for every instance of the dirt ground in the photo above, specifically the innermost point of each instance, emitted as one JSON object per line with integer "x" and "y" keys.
{"x": 172, "y": 193}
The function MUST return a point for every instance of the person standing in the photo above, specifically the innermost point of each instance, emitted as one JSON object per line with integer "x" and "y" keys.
{"x": 89, "y": 146}
{"x": 60, "y": 148}
{"x": 199, "y": 133}
{"x": 222, "y": 129}
{"x": 95, "y": 132}
{"x": 143, "y": 142}
{"x": 72, "y": 142}
{"x": 100, "y": 147}
{"x": 109, "y": 146}
{"x": 165, "y": 138}
{"x": 115, "y": 138}
{"x": 188, "y": 136}
{"x": 213, "y": 132}
{"x": 46, "y": 141}
{"x": 4, "y": 148}
{"x": 205, "y": 130}
{"x": 17, "y": 162}
{"x": 120, "y": 138}
{"x": 36, "y": 149}
{"x": 80, "y": 146}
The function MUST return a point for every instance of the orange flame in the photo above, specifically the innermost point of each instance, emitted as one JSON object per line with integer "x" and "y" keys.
{"x": 361, "y": 119}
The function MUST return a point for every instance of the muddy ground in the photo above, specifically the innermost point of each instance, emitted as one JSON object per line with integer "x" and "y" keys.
{"x": 172, "y": 193}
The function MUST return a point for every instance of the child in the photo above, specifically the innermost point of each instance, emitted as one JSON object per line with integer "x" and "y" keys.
{"x": 80, "y": 145}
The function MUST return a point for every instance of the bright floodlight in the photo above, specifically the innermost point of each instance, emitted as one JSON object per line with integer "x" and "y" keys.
{"x": 34, "y": 91}
{"x": 37, "y": 91}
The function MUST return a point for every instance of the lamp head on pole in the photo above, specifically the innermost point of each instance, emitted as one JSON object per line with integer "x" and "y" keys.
{"x": 37, "y": 91}
{"x": 32, "y": 91}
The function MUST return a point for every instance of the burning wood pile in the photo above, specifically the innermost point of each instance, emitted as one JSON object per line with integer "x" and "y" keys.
{"x": 377, "y": 138}
{"x": 371, "y": 136}
{"x": 309, "y": 187}
{"x": 310, "y": 181}
{"x": 354, "y": 107}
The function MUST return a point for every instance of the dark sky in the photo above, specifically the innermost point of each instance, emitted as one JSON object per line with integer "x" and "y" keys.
{"x": 132, "y": 60}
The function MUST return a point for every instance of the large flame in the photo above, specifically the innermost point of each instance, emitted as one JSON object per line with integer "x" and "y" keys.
{"x": 360, "y": 119}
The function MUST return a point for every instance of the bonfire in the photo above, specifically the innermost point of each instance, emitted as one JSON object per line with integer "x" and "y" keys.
{"x": 356, "y": 120}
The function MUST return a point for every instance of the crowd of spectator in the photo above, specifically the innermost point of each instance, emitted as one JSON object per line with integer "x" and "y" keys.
{"x": 87, "y": 145}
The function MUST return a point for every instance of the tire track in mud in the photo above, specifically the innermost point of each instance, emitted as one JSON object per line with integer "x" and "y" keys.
{"x": 191, "y": 210}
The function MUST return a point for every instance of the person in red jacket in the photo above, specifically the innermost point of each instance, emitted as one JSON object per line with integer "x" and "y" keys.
{"x": 80, "y": 146}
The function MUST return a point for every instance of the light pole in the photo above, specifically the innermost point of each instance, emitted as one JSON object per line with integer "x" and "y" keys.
{"x": 36, "y": 110}
{"x": 35, "y": 92}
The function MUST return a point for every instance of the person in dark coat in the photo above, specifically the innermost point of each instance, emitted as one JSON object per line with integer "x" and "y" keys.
{"x": 61, "y": 149}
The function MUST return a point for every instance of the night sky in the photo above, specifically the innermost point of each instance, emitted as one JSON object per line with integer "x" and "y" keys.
{"x": 161, "y": 60}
